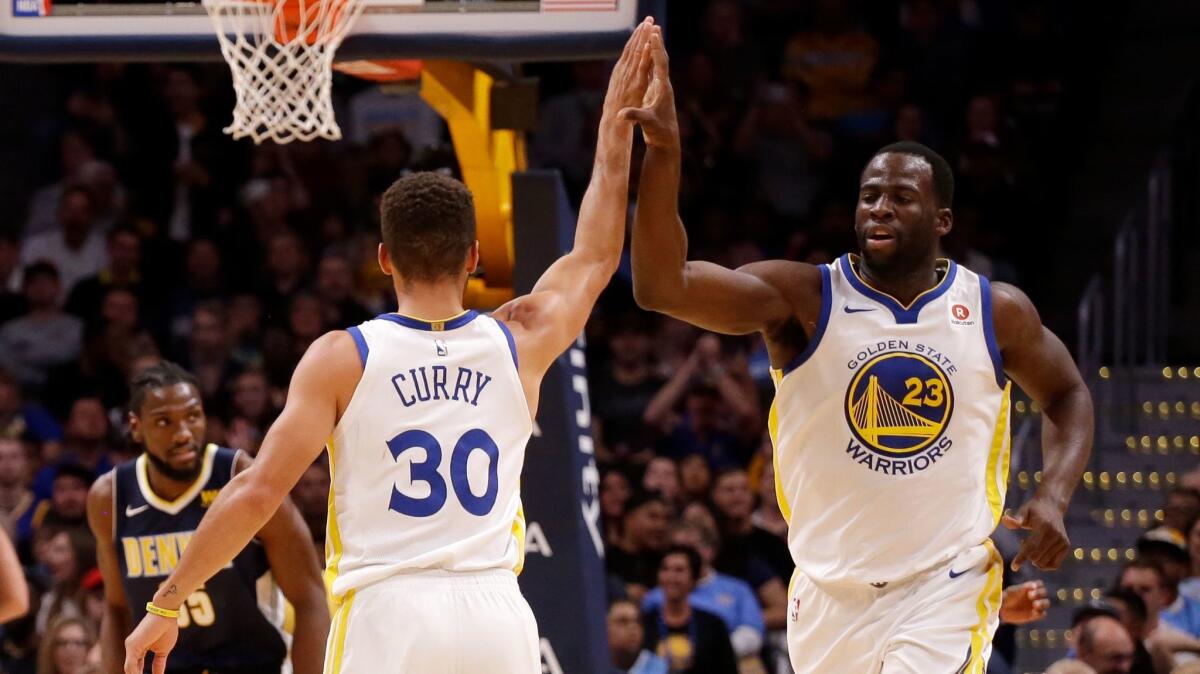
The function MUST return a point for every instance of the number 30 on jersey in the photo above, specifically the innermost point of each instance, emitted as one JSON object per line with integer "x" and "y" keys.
{"x": 427, "y": 471}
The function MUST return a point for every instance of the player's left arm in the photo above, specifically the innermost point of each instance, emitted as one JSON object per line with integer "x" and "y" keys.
{"x": 321, "y": 385}
{"x": 294, "y": 565}
{"x": 1040, "y": 364}
{"x": 549, "y": 319}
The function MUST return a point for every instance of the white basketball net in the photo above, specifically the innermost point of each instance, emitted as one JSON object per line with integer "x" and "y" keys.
{"x": 281, "y": 55}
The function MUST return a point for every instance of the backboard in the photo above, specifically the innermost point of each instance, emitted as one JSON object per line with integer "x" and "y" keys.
{"x": 461, "y": 30}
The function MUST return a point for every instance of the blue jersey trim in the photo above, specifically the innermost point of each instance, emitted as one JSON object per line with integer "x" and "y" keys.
{"x": 989, "y": 331}
{"x": 512, "y": 345}
{"x": 826, "y": 307}
{"x": 903, "y": 314}
{"x": 361, "y": 343}
{"x": 437, "y": 326}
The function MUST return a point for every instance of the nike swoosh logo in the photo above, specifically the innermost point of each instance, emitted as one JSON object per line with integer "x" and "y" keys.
{"x": 956, "y": 575}
{"x": 852, "y": 310}
{"x": 130, "y": 511}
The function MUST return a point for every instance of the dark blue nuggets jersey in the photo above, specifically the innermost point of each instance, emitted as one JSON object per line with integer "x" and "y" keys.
{"x": 222, "y": 628}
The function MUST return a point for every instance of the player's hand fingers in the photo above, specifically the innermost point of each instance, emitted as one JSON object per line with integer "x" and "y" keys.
{"x": 1018, "y": 560}
{"x": 134, "y": 663}
{"x": 1041, "y": 606}
{"x": 639, "y": 115}
{"x": 658, "y": 52}
{"x": 160, "y": 663}
{"x": 1012, "y": 522}
{"x": 1036, "y": 590}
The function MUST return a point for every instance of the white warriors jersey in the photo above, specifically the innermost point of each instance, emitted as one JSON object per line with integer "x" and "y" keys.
{"x": 891, "y": 429}
{"x": 425, "y": 463}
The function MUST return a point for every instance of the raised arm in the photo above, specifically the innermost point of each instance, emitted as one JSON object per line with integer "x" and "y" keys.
{"x": 294, "y": 565}
{"x": 1039, "y": 363}
{"x": 14, "y": 591}
{"x": 321, "y": 386}
{"x": 114, "y": 625}
{"x": 547, "y": 320}
{"x": 704, "y": 294}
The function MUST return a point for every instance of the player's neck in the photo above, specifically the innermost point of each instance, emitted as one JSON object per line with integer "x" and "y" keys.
{"x": 430, "y": 301}
{"x": 677, "y": 611}
{"x": 166, "y": 488}
{"x": 903, "y": 284}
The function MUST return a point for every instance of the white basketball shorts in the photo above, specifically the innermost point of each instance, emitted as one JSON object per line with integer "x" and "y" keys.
{"x": 939, "y": 621}
{"x": 435, "y": 622}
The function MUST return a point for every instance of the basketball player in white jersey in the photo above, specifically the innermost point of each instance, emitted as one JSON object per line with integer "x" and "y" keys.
{"x": 890, "y": 421}
{"x": 426, "y": 412}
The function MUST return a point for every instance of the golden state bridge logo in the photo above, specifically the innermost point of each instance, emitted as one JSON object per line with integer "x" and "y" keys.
{"x": 898, "y": 405}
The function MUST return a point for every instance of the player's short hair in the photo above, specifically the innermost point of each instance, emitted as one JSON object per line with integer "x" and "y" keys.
{"x": 76, "y": 471}
{"x": 428, "y": 224}
{"x": 943, "y": 175}
{"x": 689, "y": 553}
{"x": 1145, "y": 563}
{"x": 160, "y": 375}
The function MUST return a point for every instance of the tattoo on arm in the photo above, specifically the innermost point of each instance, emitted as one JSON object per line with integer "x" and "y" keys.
{"x": 172, "y": 591}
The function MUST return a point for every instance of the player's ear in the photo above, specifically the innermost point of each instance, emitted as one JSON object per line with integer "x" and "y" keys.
{"x": 135, "y": 427}
{"x": 385, "y": 260}
{"x": 473, "y": 258}
{"x": 944, "y": 222}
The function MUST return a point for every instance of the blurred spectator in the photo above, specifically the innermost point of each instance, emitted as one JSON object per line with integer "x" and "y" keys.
{"x": 74, "y": 151}
{"x": 615, "y": 490}
{"x": 695, "y": 478}
{"x": 121, "y": 270}
{"x": 75, "y": 247}
{"x": 1104, "y": 645}
{"x": 335, "y": 287}
{"x": 16, "y": 498}
{"x": 284, "y": 275}
{"x": 623, "y": 390}
{"x": 1150, "y": 656}
{"x": 834, "y": 60}
{"x": 65, "y": 647}
{"x": 108, "y": 196}
{"x": 750, "y": 553}
{"x": 202, "y": 282}
{"x": 634, "y": 558}
{"x": 706, "y": 385}
{"x": 1148, "y": 581}
{"x": 662, "y": 476}
{"x": 19, "y": 418}
{"x": 86, "y": 444}
{"x": 767, "y": 517}
{"x": 691, "y": 640}
{"x": 566, "y": 134}
{"x": 785, "y": 154}
{"x": 625, "y": 637}
{"x": 1182, "y": 508}
{"x": 252, "y": 410}
{"x": 44, "y": 337}
{"x": 12, "y": 304}
{"x": 208, "y": 357}
{"x": 67, "y": 555}
{"x": 311, "y": 496}
{"x": 1070, "y": 667}
{"x": 67, "y": 506}
{"x": 726, "y": 597}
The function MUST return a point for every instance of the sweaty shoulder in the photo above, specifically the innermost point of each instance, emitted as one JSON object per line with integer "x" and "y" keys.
{"x": 99, "y": 505}
{"x": 333, "y": 363}
{"x": 1014, "y": 317}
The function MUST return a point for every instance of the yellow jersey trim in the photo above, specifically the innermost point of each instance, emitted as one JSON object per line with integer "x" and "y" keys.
{"x": 176, "y": 506}
{"x": 986, "y": 607}
{"x": 336, "y": 647}
{"x": 333, "y": 535}
{"x": 998, "y": 456}
{"x": 518, "y": 532}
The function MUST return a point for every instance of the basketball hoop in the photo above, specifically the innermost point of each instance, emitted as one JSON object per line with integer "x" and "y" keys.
{"x": 281, "y": 55}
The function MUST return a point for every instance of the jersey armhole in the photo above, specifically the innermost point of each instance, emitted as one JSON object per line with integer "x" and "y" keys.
{"x": 360, "y": 343}
{"x": 989, "y": 330}
{"x": 822, "y": 321}
{"x": 512, "y": 345}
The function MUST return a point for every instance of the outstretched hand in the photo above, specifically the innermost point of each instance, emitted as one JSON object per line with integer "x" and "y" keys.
{"x": 1024, "y": 603}
{"x": 154, "y": 634}
{"x": 631, "y": 75}
{"x": 656, "y": 113}
{"x": 1047, "y": 544}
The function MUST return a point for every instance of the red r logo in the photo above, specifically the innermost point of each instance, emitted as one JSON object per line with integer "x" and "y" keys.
{"x": 960, "y": 312}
